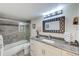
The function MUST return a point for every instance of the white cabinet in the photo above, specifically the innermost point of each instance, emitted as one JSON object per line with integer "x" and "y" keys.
{"x": 42, "y": 49}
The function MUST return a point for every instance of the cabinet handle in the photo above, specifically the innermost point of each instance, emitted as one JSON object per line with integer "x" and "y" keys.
{"x": 43, "y": 52}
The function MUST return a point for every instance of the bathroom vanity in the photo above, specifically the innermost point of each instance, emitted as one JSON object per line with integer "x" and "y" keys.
{"x": 53, "y": 47}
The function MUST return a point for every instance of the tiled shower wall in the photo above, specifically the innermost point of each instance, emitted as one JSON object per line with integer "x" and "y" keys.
{"x": 11, "y": 34}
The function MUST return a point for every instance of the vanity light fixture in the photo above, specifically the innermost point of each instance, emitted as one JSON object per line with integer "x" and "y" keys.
{"x": 53, "y": 14}
{"x": 54, "y": 10}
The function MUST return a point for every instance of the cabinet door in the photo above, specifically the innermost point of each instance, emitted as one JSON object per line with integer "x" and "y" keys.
{"x": 65, "y": 53}
{"x": 32, "y": 50}
{"x": 36, "y": 48}
{"x": 52, "y": 51}
{"x": 42, "y": 49}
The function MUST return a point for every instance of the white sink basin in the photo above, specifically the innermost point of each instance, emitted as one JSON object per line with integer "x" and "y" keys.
{"x": 48, "y": 41}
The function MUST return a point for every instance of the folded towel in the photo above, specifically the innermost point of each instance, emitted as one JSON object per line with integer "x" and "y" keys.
{"x": 68, "y": 36}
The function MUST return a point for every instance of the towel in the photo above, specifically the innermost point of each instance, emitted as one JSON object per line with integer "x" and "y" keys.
{"x": 68, "y": 36}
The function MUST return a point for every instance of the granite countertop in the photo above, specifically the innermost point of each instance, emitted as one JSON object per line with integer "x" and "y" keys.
{"x": 61, "y": 44}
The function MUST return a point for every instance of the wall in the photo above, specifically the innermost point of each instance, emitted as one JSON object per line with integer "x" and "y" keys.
{"x": 69, "y": 11}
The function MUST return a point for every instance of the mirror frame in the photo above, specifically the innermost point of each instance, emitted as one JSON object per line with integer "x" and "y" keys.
{"x": 61, "y": 21}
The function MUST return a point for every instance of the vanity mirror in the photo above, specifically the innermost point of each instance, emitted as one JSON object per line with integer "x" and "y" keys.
{"x": 55, "y": 25}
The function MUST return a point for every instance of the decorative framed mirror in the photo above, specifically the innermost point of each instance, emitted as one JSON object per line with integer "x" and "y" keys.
{"x": 55, "y": 25}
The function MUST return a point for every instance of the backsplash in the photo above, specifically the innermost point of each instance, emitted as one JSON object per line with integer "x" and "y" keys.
{"x": 51, "y": 37}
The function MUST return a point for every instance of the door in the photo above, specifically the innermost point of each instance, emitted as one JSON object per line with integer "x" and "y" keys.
{"x": 36, "y": 48}
{"x": 51, "y": 51}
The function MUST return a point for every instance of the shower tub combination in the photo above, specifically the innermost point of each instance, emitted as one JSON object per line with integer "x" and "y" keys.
{"x": 15, "y": 39}
{"x": 20, "y": 48}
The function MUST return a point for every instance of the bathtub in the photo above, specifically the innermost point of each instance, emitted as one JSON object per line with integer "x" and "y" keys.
{"x": 14, "y": 48}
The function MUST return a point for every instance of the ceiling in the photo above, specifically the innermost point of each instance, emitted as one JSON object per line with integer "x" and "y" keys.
{"x": 25, "y": 11}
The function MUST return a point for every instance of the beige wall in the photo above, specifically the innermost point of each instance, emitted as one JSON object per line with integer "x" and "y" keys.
{"x": 69, "y": 12}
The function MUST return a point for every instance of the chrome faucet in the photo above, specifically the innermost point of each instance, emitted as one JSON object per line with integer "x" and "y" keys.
{"x": 49, "y": 37}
